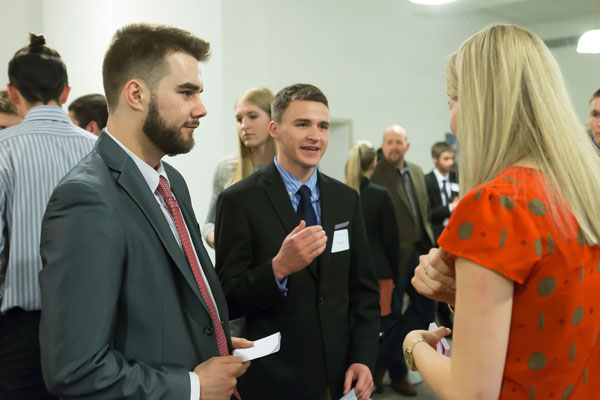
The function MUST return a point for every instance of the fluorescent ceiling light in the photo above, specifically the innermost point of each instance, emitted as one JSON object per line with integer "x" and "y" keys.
{"x": 589, "y": 42}
{"x": 431, "y": 2}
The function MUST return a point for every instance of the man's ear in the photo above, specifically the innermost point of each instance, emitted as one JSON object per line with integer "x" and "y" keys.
{"x": 65, "y": 94}
{"x": 13, "y": 94}
{"x": 273, "y": 129}
{"x": 93, "y": 127}
{"x": 134, "y": 93}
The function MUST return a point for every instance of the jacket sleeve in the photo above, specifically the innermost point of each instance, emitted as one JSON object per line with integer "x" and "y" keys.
{"x": 83, "y": 249}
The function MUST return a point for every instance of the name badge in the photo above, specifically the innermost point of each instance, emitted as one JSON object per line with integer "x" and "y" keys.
{"x": 340, "y": 241}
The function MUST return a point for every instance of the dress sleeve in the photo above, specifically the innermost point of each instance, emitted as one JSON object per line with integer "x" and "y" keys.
{"x": 495, "y": 231}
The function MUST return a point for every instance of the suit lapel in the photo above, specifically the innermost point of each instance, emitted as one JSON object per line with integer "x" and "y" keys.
{"x": 327, "y": 199}
{"x": 131, "y": 180}
{"x": 279, "y": 198}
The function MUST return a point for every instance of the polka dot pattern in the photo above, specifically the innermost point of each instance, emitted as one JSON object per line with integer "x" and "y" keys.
{"x": 465, "y": 230}
{"x": 507, "y": 227}
{"x": 537, "y": 361}
{"x": 537, "y": 207}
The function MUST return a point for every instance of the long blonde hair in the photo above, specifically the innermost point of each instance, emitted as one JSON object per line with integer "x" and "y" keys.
{"x": 361, "y": 157}
{"x": 514, "y": 106}
{"x": 260, "y": 97}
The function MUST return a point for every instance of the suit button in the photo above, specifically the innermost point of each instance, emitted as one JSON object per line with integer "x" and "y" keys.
{"x": 208, "y": 331}
{"x": 321, "y": 300}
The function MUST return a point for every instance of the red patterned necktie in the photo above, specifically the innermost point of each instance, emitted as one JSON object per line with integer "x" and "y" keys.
{"x": 186, "y": 242}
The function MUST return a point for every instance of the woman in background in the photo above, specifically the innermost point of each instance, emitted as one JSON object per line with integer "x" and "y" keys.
{"x": 524, "y": 236}
{"x": 382, "y": 232}
{"x": 256, "y": 149}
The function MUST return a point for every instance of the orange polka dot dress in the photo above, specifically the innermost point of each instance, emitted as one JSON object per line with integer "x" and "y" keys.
{"x": 554, "y": 347}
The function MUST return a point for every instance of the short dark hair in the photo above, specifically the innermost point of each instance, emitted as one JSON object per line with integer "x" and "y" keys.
{"x": 7, "y": 106}
{"x": 440, "y": 147}
{"x": 299, "y": 91}
{"x": 91, "y": 107}
{"x": 140, "y": 51}
{"x": 595, "y": 95}
{"x": 38, "y": 72}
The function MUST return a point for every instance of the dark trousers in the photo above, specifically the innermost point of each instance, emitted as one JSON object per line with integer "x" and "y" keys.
{"x": 20, "y": 368}
{"x": 395, "y": 327}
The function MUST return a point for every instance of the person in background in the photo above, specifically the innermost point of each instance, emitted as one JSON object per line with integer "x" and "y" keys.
{"x": 406, "y": 185}
{"x": 8, "y": 111}
{"x": 382, "y": 232}
{"x": 34, "y": 157}
{"x": 256, "y": 149}
{"x": 523, "y": 240}
{"x": 594, "y": 122}
{"x": 442, "y": 187}
{"x": 89, "y": 112}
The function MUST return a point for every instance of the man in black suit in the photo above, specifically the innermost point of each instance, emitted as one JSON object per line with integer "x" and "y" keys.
{"x": 292, "y": 256}
{"x": 131, "y": 305}
{"x": 442, "y": 187}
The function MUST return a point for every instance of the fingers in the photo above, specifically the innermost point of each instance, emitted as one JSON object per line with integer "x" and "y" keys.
{"x": 348, "y": 381}
{"x": 298, "y": 228}
{"x": 364, "y": 386}
{"x": 241, "y": 343}
{"x": 441, "y": 332}
{"x": 242, "y": 370}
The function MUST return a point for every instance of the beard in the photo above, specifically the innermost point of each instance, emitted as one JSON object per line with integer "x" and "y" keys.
{"x": 167, "y": 138}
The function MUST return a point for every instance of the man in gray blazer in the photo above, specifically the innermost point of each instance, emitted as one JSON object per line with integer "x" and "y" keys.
{"x": 131, "y": 305}
{"x": 406, "y": 184}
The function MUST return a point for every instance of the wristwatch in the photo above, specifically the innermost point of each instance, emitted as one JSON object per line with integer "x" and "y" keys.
{"x": 408, "y": 354}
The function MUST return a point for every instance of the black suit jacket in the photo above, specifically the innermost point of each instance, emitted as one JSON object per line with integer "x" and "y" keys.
{"x": 327, "y": 322}
{"x": 382, "y": 232}
{"x": 438, "y": 212}
{"x": 122, "y": 316}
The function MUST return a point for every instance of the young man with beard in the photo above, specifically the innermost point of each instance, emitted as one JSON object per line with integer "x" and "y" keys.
{"x": 293, "y": 257}
{"x": 132, "y": 308}
{"x": 442, "y": 187}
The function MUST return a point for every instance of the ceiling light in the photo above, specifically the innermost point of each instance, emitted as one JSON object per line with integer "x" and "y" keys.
{"x": 589, "y": 42}
{"x": 431, "y": 2}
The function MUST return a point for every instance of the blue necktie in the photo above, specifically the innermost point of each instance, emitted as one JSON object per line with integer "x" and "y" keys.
{"x": 305, "y": 210}
{"x": 307, "y": 213}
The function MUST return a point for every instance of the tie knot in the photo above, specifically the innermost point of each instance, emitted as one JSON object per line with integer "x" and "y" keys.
{"x": 304, "y": 192}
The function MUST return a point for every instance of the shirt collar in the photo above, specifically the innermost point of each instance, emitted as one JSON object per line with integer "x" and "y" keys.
{"x": 47, "y": 113}
{"x": 151, "y": 175}
{"x": 292, "y": 184}
{"x": 441, "y": 177}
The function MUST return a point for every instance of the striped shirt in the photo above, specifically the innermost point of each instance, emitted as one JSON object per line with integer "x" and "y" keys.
{"x": 292, "y": 185}
{"x": 34, "y": 156}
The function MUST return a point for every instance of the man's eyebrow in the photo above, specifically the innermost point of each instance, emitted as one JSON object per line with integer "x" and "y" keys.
{"x": 189, "y": 85}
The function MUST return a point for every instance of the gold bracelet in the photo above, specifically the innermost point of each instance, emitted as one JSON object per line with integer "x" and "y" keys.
{"x": 408, "y": 354}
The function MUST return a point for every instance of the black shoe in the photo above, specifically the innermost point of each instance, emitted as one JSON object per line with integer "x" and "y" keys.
{"x": 404, "y": 387}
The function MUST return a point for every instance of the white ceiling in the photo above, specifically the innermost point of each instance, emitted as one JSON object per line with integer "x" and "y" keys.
{"x": 523, "y": 12}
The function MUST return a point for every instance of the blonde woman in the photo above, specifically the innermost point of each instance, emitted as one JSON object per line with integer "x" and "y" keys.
{"x": 256, "y": 149}
{"x": 524, "y": 235}
{"x": 382, "y": 234}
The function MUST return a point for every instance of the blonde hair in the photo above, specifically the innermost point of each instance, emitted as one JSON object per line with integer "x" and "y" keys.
{"x": 361, "y": 157}
{"x": 260, "y": 97}
{"x": 514, "y": 106}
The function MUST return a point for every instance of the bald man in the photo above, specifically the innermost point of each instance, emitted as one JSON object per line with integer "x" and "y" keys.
{"x": 406, "y": 183}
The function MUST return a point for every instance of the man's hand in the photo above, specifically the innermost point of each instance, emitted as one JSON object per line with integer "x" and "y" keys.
{"x": 210, "y": 239}
{"x": 299, "y": 249}
{"x": 240, "y": 343}
{"x": 218, "y": 376}
{"x": 434, "y": 276}
{"x": 364, "y": 381}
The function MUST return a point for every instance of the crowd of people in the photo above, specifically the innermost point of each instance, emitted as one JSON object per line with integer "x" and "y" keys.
{"x": 107, "y": 290}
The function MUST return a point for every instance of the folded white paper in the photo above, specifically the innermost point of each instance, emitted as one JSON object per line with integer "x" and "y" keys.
{"x": 349, "y": 396}
{"x": 442, "y": 347}
{"x": 262, "y": 347}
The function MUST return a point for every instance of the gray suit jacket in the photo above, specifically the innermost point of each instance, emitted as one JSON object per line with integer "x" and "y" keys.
{"x": 122, "y": 316}
{"x": 386, "y": 175}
